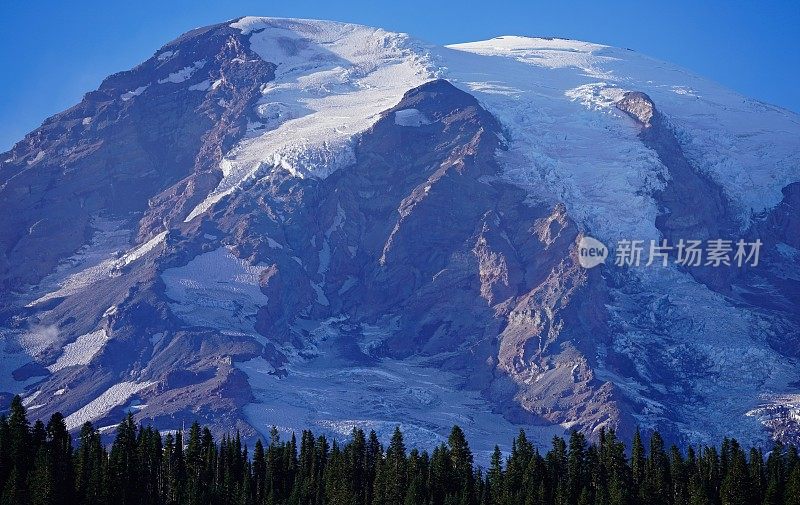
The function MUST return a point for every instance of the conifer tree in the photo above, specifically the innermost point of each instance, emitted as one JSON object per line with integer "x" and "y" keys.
{"x": 144, "y": 469}
{"x": 5, "y": 463}
{"x": 638, "y": 464}
{"x": 735, "y": 488}
{"x": 373, "y": 456}
{"x": 123, "y": 464}
{"x": 90, "y": 467}
{"x": 657, "y": 480}
{"x": 41, "y": 481}
{"x": 494, "y": 478}
{"x": 20, "y": 453}
{"x": 792, "y": 492}
{"x": 417, "y": 473}
{"x": 576, "y": 466}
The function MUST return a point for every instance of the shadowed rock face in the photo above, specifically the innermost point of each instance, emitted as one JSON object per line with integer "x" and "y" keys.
{"x": 693, "y": 206}
{"x": 420, "y": 254}
{"x": 419, "y": 231}
{"x": 132, "y": 140}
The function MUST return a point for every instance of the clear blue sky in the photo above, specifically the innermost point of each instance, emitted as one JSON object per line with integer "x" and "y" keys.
{"x": 51, "y": 52}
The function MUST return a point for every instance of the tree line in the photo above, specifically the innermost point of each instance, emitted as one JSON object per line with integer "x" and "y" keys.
{"x": 43, "y": 465}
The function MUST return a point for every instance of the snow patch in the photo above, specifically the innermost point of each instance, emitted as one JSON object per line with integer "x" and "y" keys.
{"x": 36, "y": 159}
{"x": 216, "y": 290}
{"x": 166, "y": 55}
{"x": 92, "y": 263}
{"x": 139, "y": 251}
{"x": 183, "y": 74}
{"x": 201, "y": 86}
{"x": 321, "y": 298}
{"x": 28, "y": 400}
{"x": 136, "y": 92}
{"x": 81, "y": 351}
{"x": 410, "y": 117}
{"x": 116, "y": 395}
{"x": 597, "y": 95}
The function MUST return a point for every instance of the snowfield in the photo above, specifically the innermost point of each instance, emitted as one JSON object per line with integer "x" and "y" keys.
{"x": 216, "y": 290}
{"x": 331, "y": 83}
{"x": 555, "y": 97}
{"x": 90, "y": 264}
{"x": 332, "y": 394}
{"x": 410, "y": 117}
{"x": 750, "y": 148}
{"x": 183, "y": 74}
{"x": 116, "y": 395}
{"x": 81, "y": 351}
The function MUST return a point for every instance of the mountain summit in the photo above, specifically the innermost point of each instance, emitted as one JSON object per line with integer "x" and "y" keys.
{"x": 314, "y": 224}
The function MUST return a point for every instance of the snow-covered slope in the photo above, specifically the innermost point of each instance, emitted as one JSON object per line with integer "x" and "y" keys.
{"x": 334, "y": 225}
{"x": 557, "y": 96}
{"x": 332, "y": 80}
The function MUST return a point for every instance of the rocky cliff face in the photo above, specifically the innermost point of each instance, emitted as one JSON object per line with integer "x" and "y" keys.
{"x": 298, "y": 223}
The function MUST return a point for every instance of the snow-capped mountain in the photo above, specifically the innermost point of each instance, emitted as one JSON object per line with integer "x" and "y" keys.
{"x": 314, "y": 224}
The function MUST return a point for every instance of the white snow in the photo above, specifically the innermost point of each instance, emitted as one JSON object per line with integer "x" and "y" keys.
{"x": 348, "y": 284}
{"x": 216, "y": 290}
{"x": 90, "y": 264}
{"x": 321, "y": 298}
{"x": 96, "y": 261}
{"x": 590, "y": 158}
{"x": 558, "y": 149}
{"x": 156, "y": 338}
{"x": 166, "y": 55}
{"x": 410, "y": 117}
{"x": 201, "y": 86}
{"x": 333, "y": 395}
{"x": 554, "y": 96}
{"x": 116, "y": 395}
{"x": 81, "y": 351}
{"x": 140, "y": 250}
{"x": 36, "y": 159}
{"x": 331, "y": 83}
{"x": 28, "y": 400}
{"x": 136, "y": 92}
{"x": 183, "y": 74}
